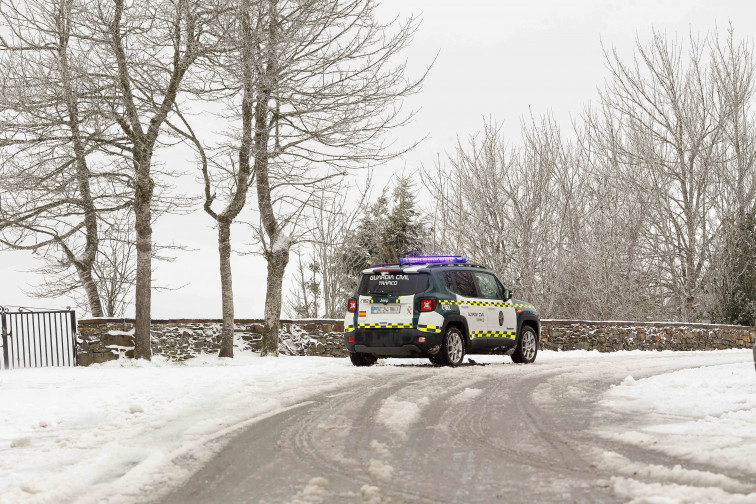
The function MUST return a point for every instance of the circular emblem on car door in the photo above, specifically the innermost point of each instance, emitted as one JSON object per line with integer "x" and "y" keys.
{"x": 501, "y": 318}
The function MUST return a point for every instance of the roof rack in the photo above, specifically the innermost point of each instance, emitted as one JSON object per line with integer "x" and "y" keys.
{"x": 463, "y": 265}
{"x": 427, "y": 265}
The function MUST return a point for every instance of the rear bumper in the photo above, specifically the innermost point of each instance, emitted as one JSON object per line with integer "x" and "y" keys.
{"x": 393, "y": 342}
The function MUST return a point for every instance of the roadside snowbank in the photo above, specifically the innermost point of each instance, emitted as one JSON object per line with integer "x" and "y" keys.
{"x": 705, "y": 415}
{"x": 702, "y": 415}
{"x": 113, "y": 432}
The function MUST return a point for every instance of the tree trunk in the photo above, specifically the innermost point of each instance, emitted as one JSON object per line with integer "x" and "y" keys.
{"x": 90, "y": 287}
{"x": 278, "y": 258}
{"x": 143, "y": 292}
{"x": 227, "y": 291}
{"x": 83, "y": 174}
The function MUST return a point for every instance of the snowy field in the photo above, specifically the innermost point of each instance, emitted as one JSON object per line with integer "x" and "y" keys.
{"x": 125, "y": 430}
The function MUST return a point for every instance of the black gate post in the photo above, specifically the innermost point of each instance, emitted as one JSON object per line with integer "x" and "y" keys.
{"x": 73, "y": 338}
{"x": 5, "y": 339}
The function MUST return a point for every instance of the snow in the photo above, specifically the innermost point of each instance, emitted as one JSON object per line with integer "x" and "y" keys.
{"x": 114, "y": 332}
{"x": 637, "y": 492}
{"x": 676, "y": 475}
{"x": 315, "y": 491}
{"x": 703, "y": 415}
{"x": 283, "y": 242}
{"x": 123, "y": 430}
{"x": 466, "y": 395}
{"x": 372, "y": 495}
{"x": 380, "y": 470}
{"x": 399, "y": 415}
{"x": 114, "y": 431}
{"x": 378, "y": 447}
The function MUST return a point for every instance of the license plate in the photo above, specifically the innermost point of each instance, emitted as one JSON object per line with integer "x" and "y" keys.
{"x": 384, "y": 309}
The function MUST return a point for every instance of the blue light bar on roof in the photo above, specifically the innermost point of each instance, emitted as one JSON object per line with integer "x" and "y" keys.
{"x": 432, "y": 260}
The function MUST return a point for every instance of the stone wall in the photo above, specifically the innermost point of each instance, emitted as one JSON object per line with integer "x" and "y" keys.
{"x": 614, "y": 336}
{"x": 106, "y": 339}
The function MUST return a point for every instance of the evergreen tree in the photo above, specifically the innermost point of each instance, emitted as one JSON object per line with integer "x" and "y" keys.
{"x": 390, "y": 228}
{"x": 404, "y": 233}
{"x": 736, "y": 285}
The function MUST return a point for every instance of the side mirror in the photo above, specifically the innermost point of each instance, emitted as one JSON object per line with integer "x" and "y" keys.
{"x": 507, "y": 294}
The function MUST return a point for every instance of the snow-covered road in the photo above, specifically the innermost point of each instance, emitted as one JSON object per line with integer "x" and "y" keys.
{"x": 576, "y": 426}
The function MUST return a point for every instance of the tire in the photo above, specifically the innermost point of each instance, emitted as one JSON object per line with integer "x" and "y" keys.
{"x": 436, "y": 359}
{"x": 527, "y": 346}
{"x": 362, "y": 359}
{"x": 452, "y": 348}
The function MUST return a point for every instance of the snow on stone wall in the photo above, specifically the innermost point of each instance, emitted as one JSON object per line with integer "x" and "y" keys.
{"x": 614, "y": 336}
{"x": 104, "y": 339}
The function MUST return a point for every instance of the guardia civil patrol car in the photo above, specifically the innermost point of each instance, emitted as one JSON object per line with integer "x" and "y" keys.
{"x": 439, "y": 307}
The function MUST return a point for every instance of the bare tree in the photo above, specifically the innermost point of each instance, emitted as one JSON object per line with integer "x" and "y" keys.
{"x": 670, "y": 123}
{"x": 526, "y": 191}
{"x": 304, "y": 300}
{"x": 602, "y": 275}
{"x": 547, "y": 215}
{"x": 335, "y": 217}
{"x": 147, "y": 49}
{"x": 734, "y": 76}
{"x": 114, "y": 270}
{"x": 59, "y": 177}
{"x": 326, "y": 89}
{"x": 624, "y": 219}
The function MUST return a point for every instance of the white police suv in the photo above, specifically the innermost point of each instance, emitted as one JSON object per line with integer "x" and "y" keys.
{"x": 440, "y": 307}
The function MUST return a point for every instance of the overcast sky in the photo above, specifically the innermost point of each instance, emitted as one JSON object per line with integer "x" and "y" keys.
{"x": 498, "y": 60}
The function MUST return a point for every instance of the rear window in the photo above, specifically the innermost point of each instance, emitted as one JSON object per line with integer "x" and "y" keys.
{"x": 393, "y": 284}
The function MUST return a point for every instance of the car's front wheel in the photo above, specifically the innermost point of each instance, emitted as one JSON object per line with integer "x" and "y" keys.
{"x": 527, "y": 346}
{"x": 453, "y": 348}
{"x": 362, "y": 359}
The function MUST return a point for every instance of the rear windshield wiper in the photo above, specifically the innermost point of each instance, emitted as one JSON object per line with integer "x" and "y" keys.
{"x": 378, "y": 293}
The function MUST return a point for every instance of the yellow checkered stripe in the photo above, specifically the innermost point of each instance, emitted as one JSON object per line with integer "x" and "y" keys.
{"x": 372, "y": 299}
{"x": 492, "y": 334}
{"x": 429, "y": 328}
{"x": 385, "y": 326}
{"x": 348, "y": 328}
{"x": 487, "y": 303}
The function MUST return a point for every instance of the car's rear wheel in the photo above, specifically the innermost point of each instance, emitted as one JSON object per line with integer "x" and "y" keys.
{"x": 527, "y": 347}
{"x": 362, "y": 359}
{"x": 453, "y": 348}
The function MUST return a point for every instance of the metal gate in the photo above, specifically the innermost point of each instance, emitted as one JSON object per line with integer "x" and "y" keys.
{"x": 37, "y": 338}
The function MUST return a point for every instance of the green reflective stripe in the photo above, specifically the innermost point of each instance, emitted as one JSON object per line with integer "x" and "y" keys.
{"x": 429, "y": 328}
{"x": 385, "y": 326}
{"x": 492, "y": 334}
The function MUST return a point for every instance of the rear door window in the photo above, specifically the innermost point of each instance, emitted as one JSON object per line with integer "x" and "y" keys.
{"x": 393, "y": 284}
{"x": 461, "y": 282}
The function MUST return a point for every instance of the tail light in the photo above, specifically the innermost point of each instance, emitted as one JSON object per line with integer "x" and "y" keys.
{"x": 428, "y": 304}
{"x": 352, "y": 305}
